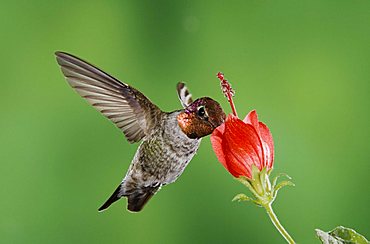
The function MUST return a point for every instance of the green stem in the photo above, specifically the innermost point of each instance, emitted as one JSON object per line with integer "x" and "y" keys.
{"x": 277, "y": 224}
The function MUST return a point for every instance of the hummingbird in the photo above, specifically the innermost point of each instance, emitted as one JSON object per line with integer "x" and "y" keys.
{"x": 168, "y": 140}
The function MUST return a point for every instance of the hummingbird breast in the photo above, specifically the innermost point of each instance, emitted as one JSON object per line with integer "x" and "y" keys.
{"x": 162, "y": 156}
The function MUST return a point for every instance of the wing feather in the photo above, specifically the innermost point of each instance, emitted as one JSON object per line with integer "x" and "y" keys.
{"x": 125, "y": 106}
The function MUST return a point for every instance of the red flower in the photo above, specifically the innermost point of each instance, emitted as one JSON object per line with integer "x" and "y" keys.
{"x": 240, "y": 144}
{"x": 246, "y": 149}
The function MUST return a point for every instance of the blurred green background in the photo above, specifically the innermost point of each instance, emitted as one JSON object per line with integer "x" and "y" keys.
{"x": 304, "y": 65}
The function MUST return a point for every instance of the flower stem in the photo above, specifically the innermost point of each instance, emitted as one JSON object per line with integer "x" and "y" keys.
{"x": 277, "y": 224}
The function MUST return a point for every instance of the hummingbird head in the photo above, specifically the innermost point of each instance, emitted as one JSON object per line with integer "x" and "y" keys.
{"x": 201, "y": 117}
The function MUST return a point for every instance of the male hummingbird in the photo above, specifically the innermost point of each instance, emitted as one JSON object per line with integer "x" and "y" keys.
{"x": 169, "y": 140}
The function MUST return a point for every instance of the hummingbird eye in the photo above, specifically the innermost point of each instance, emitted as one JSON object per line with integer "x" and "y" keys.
{"x": 201, "y": 111}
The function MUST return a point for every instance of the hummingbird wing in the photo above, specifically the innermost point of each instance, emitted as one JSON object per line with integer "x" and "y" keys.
{"x": 184, "y": 94}
{"x": 125, "y": 106}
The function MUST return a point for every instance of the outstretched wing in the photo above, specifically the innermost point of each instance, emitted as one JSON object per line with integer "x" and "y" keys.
{"x": 184, "y": 94}
{"x": 125, "y": 106}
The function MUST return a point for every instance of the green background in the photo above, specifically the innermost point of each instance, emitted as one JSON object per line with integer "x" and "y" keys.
{"x": 304, "y": 65}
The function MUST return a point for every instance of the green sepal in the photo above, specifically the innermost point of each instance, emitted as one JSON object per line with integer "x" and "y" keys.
{"x": 281, "y": 185}
{"x": 260, "y": 186}
{"x": 341, "y": 235}
{"x": 256, "y": 180}
{"x": 245, "y": 181}
{"x": 274, "y": 180}
{"x": 241, "y": 198}
{"x": 266, "y": 186}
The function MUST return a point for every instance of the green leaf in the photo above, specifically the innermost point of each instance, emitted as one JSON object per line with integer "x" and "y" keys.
{"x": 341, "y": 235}
{"x": 325, "y": 238}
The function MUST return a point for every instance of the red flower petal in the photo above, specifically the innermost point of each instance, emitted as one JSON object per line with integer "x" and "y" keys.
{"x": 252, "y": 119}
{"x": 216, "y": 141}
{"x": 266, "y": 138}
{"x": 238, "y": 161}
{"x": 268, "y": 144}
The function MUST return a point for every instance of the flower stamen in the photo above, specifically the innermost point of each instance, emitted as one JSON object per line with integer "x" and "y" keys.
{"x": 227, "y": 90}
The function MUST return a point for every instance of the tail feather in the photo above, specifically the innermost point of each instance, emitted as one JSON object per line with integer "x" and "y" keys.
{"x": 114, "y": 197}
{"x": 138, "y": 199}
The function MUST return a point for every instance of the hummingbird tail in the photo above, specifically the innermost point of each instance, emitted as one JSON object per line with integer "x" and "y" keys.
{"x": 138, "y": 199}
{"x": 117, "y": 194}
